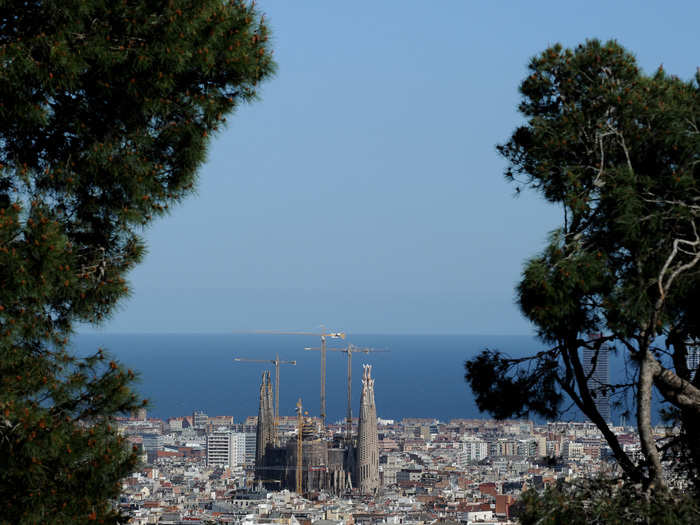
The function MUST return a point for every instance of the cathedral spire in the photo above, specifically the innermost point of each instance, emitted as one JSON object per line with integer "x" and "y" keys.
{"x": 367, "y": 443}
{"x": 265, "y": 429}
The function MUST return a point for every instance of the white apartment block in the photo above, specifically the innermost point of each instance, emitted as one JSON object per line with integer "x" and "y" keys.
{"x": 473, "y": 449}
{"x": 222, "y": 448}
{"x": 227, "y": 448}
{"x": 573, "y": 450}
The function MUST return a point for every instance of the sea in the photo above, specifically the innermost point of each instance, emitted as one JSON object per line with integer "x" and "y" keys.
{"x": 415, "y": 375}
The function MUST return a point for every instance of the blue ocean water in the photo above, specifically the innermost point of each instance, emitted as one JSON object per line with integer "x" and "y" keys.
{"x": 420, "y": 376}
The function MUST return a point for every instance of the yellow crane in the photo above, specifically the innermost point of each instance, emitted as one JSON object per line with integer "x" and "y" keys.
{"x": 324, "y": 334}
{"x": 277, "y": 362}
{"x": 348, "y": 351}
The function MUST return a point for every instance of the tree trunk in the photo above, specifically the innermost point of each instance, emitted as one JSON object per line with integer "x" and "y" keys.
{"x": 675, "y": 389}
{"x": 587, "y": 405}
{"x": 646, "y": 435}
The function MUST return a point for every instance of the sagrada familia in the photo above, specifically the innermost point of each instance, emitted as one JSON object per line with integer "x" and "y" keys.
{"x": 334, "y": 465}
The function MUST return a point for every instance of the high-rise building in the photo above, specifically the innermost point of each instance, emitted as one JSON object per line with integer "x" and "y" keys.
{"x": 228, "y": 448}
{"x": 264, "y": 435}
{"x": 222, "y": 448}
{"x": 693, "y": 359}
{"x": 596, "y": 368}
{"x": 368, "y": 440}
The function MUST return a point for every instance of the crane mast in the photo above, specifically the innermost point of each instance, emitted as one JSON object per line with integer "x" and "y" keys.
{"x": 277, "y": 362}
{"x": 324, "y": 334}
{"x": 300, "y": 448}
{"x": 349, "y": 350}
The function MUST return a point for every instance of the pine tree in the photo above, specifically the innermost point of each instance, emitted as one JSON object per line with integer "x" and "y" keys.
{"x": 619, "y": 151}
{"x": 106, "y": 110}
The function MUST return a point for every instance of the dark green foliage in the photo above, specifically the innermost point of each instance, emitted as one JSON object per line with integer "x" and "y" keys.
{"x": 106, "y": 110}
{"x": 60, "y": 457}
{"x": 504, "y": 394}
{"x": 600, "y": 502}
{"x": 619, "y": 151}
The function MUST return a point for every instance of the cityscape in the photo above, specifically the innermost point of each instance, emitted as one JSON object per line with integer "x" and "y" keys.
{"x": 202, "y": 468}
{"x": 495, "y": 207}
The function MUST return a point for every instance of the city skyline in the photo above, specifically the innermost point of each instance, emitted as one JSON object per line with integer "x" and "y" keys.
{"x": 497, "y": 204}
{"x": 481, "y": 465}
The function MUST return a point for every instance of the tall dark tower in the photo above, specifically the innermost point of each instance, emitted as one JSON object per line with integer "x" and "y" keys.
{"x": 265, "y": 430}
{"x": 596, "y": 367}
{"x": 367, "y": 443}
{"x": 693, "y": 359}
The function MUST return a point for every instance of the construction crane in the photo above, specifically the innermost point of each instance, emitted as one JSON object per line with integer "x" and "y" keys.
{"x": 277, "y": 362}
{"x": 349, "y": 350}
{"x": 300, "y": 448}
{"x": 323, "y": 335}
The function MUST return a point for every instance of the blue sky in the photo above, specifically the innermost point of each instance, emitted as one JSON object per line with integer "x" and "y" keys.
{"x": 363, "y": 190}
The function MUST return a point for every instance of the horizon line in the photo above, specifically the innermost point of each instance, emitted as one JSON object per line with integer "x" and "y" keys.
{"x": 220, "y": 332}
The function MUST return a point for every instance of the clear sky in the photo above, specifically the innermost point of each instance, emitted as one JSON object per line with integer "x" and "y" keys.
{"x": 363, "y": 190}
